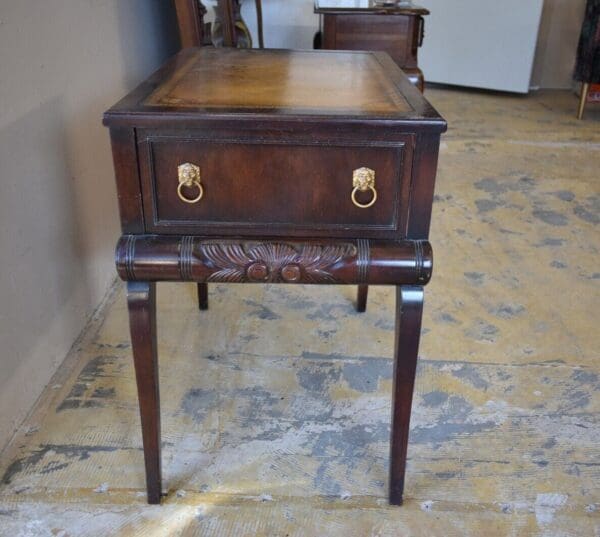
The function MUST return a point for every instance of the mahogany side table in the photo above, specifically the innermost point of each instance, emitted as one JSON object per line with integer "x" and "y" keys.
{"x": 246, "y": 166}
{"x": 393, "y": 27}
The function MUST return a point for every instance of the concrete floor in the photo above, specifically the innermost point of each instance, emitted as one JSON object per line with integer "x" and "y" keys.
{"x": 276, "y": 401}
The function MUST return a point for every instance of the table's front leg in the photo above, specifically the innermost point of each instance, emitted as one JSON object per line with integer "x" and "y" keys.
{"x": 409, "y": 309}
{"x": 141, "y": 301}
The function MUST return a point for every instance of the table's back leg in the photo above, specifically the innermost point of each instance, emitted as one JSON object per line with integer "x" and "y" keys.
{"x": 361, "y": 298}
{"x": 141, "y": 301}
{"x": 409, "y": 309}
{"x": 203, "y": 296}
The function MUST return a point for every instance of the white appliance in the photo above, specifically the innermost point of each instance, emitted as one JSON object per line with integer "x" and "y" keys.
{"x": 480, "y": 43}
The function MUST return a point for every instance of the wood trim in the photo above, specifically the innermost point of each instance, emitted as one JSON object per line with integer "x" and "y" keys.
{"x": 422, "y": 186}
{"x": 228, "y": 22}
{"x": 268, "y": 260}
{"x": 190, "y": 18}
{"x": 124, "y": 150}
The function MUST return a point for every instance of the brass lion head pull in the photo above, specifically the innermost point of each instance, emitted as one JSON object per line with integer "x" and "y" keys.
{"x": 189, "y": 176}
{"x": 363, "y": 179}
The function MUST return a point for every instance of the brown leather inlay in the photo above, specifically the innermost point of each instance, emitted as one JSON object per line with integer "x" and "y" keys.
{"x": 301, "y": 82}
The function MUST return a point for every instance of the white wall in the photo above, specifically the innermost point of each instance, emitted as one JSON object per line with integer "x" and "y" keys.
{"x": 62, "y": 63}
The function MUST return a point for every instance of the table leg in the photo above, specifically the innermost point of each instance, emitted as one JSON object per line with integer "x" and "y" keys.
{"x": 409, "y": 309}
{"x": 203, "y": 296}
{"x": 361, "y": 298}
{"x": 585, "y": 89}
{"x": 141, "y": 301}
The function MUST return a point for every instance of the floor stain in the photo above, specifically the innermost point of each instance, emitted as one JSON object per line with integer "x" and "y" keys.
{"x": 70, "y": 452}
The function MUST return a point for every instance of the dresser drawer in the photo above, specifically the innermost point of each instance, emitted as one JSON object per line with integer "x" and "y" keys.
{"x": 274, "y": 188}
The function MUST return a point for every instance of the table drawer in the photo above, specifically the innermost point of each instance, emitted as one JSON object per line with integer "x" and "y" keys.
{"x": 274, "y": 188}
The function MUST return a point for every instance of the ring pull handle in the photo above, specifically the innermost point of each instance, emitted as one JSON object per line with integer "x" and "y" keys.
{"x": 189, "y": 176}
{"x": 363, "y": 179}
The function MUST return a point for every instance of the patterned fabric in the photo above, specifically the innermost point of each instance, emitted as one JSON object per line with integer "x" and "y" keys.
{"x": 587, "y": 68}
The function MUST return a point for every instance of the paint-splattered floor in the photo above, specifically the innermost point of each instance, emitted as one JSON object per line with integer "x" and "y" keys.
{"x": 276, "y": 400}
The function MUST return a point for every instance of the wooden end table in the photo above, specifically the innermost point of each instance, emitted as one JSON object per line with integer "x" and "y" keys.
{"x": 244, "y": 166}
{"x": 393, "y": 27}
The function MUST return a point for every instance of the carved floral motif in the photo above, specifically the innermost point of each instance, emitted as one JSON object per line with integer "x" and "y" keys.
{"x": 274, "y": 262}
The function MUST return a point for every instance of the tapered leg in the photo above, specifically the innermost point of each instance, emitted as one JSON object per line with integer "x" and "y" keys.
{"x": 203, "y": 296}
{"x": 141, "y": 301}
{"x": 361, "y": 298}
{"x": 409, "y": 309}
{"x": 585, "y": 88}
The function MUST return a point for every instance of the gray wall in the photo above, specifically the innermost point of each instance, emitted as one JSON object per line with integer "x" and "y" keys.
{"x": 62, "y": 63}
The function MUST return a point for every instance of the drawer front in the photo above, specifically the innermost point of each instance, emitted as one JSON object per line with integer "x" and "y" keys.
{"x": 275, "y": 188}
